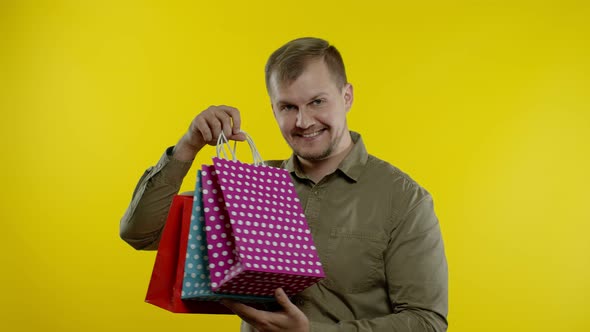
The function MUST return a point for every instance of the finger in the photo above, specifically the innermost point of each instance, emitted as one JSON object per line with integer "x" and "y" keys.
{"x": 238, "y": 137}
{"x": 214, "y": 126}
{"x": 283, "y": 300}
{"x": 247, "y": 313}
{"x": 205, "y": 131}
{"x": 225, "y": 120}
{"x": 229, "y": 304}
{"x": 235, "y": 116}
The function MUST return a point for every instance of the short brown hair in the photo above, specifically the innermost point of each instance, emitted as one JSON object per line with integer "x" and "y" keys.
{"x": 289, "y": 61}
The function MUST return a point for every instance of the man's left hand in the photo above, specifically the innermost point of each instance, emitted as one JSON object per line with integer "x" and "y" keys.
{"x": 288, "y": 319}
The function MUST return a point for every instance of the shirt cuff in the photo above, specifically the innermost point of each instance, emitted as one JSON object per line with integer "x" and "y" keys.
{"x": 172, "y": 171}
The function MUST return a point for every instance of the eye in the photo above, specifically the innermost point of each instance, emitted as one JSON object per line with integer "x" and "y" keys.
{"x": 317, "y": 102}
{"x": 287, "y": 107}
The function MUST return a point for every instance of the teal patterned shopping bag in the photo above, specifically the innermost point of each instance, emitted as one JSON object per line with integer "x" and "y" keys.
{"x": 197, "y": 281}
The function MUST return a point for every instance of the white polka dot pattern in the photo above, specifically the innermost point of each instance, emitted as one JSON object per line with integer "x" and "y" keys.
{"x": 258, "y": 238}
{"x": 196, "y": 281}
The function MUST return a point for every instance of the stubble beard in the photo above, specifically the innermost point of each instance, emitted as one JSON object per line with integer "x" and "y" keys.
{"x": 316, "y": 156}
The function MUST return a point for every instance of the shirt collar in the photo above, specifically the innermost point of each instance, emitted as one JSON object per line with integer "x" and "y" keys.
{"x": 351, "y": 166}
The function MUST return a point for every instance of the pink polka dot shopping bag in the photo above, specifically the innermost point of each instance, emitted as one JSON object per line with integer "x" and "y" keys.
{"x": 257, "y": 236}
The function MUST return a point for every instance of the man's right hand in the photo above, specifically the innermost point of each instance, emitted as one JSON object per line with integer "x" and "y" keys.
{"x": 206, "y": 128}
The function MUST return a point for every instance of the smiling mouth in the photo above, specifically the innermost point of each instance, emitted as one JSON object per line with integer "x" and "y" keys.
{"x": 311, "y": 135}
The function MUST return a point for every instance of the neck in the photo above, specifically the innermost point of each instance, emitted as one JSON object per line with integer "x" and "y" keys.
{"x": 316, "y": 170}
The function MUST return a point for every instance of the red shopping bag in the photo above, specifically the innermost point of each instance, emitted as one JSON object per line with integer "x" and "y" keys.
{"x": 165, "y": 285}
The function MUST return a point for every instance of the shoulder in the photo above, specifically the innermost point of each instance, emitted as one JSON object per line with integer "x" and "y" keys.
{"x": 379, "y": 169}
{"x": 402, "y": 191}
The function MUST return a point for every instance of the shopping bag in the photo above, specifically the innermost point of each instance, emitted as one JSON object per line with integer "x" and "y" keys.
{"x": 196, "y": 283}
{"x": 257, "y": 236}
{"x": 165, "y": 285}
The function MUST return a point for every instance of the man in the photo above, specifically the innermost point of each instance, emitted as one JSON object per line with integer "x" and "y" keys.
{"x": 374, "y": 227}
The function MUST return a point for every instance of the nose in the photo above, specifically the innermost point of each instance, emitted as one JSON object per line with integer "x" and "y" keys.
{"x": 304, "y": 120}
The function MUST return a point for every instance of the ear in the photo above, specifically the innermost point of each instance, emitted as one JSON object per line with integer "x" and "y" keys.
{"x": 348, "y": 96}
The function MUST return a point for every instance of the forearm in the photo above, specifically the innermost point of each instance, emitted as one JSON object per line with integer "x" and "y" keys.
{"x": 145, "y": 217}
{"x": 185, "y": 150}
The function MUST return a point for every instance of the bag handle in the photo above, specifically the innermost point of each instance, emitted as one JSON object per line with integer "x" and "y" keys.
{"x": 223, "y": 144}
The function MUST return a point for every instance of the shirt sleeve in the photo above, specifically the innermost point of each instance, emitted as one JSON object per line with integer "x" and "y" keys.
{"x": 417, "y": 275}
{"x": 144, "y": 219}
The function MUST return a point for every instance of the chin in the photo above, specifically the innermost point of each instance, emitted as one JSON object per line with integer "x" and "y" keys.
{"x": 313, "y": 155}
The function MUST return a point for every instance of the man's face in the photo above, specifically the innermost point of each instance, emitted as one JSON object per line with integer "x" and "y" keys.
{"x": 311, "y": 112}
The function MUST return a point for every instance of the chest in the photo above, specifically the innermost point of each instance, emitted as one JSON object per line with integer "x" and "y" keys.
{"x": 350, "y": 226}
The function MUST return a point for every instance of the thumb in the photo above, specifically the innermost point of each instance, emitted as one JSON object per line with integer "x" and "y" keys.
{"x": 238, "y": 137}
{"x": 283, "y": 299}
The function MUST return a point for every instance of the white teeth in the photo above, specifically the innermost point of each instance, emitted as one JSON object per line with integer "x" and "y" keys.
{"x": 312, "y": 134}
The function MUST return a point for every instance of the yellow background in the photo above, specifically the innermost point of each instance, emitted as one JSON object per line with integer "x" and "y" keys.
{"x": 485, "y": 103}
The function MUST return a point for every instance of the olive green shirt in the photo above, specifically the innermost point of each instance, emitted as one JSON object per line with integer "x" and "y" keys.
{"x": 375, "y": 231}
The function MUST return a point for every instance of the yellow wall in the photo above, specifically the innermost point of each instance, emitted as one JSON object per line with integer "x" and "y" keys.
{"x": 485, "y": 103}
